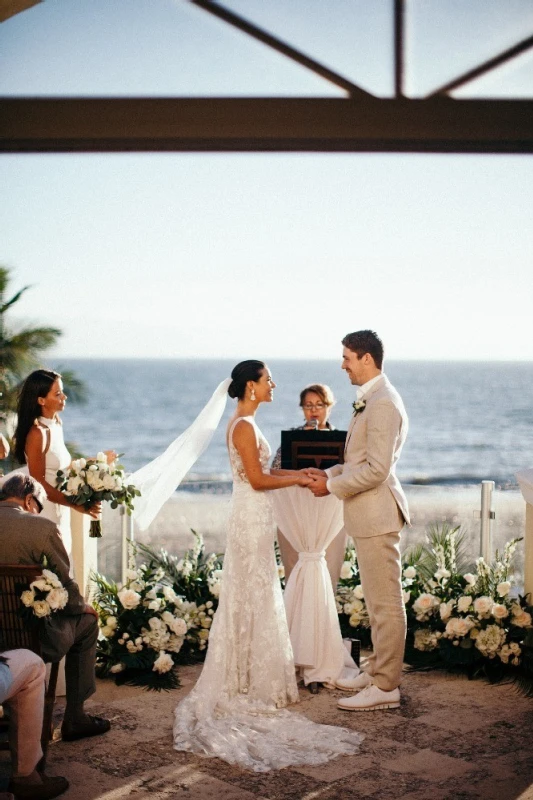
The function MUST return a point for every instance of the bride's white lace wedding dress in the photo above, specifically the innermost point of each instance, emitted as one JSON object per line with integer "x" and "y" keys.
{"x": 235, "y": 711}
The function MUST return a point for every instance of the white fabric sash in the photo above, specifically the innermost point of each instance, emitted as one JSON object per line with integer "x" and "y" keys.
{"x": 310, "y": 524}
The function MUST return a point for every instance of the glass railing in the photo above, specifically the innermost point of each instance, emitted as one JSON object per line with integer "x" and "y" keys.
{"x": 206, "y": 508}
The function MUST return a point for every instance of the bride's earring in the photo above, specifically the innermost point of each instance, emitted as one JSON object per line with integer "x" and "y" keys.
{"x": 252, "y": 396}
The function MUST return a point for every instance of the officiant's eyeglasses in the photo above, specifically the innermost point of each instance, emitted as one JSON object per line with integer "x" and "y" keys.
{"x": 314, "y": 406}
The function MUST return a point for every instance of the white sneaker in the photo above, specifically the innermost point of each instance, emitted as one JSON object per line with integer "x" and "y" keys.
{"x": 371, "y": 699}
{"x": 354, "y": 684}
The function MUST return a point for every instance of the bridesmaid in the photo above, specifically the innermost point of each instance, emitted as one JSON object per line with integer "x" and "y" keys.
{"x": 39, "y": 443}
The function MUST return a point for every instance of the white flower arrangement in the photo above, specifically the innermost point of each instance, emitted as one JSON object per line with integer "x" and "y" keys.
{"x": 89, "y": 481}
{"x": 45, "y": 595}
{"x": 161, "y": 616}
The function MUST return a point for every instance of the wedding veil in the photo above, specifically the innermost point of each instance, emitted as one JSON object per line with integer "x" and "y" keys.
{"x": 158, "y": 479}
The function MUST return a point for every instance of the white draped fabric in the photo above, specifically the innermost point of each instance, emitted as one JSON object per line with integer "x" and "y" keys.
{"x": 310, "y": 524}
{"x": 161, "y": 477}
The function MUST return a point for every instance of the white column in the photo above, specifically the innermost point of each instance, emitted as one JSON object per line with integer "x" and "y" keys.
{"x": 528, "y": 552}
{"x": 84, "y": 551}
{"x": 525, "y": 481}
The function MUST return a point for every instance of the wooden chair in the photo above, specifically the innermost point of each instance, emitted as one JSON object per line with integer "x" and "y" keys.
{"x": 16, "y": 634}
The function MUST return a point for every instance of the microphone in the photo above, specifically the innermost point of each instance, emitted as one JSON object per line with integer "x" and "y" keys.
{"x": 312, "y": 423}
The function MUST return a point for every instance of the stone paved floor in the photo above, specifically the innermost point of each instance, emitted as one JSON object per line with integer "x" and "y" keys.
{"x": 451, "y": 739}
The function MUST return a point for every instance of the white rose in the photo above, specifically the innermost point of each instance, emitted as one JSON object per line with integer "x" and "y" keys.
{"x": 27, "y": 598}
{"x": 52, "y": 578}
{"x": 206, "y": 622}
{"x": 117, "y": 668}
{"x": 499, "y": 611}
{"x": 203, "y": 633}
{"x": 409, "y": 572}
{"x": 129, "y": 598}
{"x": 41, "y": 584}
{"x": 73, "y": 484}
{"x": 458, "y": 627}
{"x": 464, "y": 603}
{"x": 179, "y": 627}
{"x": 504, "y": 588}
{"x": 406, "y": 597}
{"x": 92, "y": 468}
{"x": 57, "y": 598}
{"x": 154, "y": 605}
{"x": 151, "y": 595}
{"x": 483, "y": 605}
{"x": 41, "y": 608}
{"x": 442, "y": 573}
{"x": 521, "y": 618}
{"x": 101, "y": 457}
{"x": 155, "y": 623}
{"x": 109, "y": 482}
{"x": 425, "y": 602}
{"x": 470, "y": 579}
{"x": 163, "y": 663}
{"x": 111, "y": 621}
{"x": 355, "y": 620}
{"x": 346, "y": 570}
{"x": 445, "y": 610}
{"x": 108, "y": 632}
{"x": 358, "y": 592}
{"x": 169, "y": 594}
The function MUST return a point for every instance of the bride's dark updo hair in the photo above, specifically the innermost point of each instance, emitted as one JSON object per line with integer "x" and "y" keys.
{"x": 245, "y": 371}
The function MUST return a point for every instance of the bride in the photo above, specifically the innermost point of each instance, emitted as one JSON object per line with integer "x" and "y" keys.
{"x": 236, "y": 710}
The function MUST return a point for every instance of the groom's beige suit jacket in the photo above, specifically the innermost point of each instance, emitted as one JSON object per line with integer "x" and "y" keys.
{"x": 374, "y": 501}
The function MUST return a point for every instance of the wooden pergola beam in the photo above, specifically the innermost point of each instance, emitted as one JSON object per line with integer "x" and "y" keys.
{"x": 98, "y": 125}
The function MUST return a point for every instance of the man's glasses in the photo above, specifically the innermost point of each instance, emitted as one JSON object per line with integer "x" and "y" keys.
{"x": 38, "y": 503}
{"x": 314, "y": 406}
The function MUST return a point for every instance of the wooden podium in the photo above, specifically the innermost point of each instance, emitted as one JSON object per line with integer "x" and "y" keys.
{"x": 320, "y": 449}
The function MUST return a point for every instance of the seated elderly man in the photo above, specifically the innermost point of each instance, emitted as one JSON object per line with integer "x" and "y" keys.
{"x": 71, "y": 632}
{"x": 22, "y": 675}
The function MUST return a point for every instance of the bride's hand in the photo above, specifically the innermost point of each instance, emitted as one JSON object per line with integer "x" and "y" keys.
{"x": 93, "y": 511}
{"x": 304, "y": 480}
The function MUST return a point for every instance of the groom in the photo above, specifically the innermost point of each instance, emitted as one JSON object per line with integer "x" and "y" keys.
{"x": 375, "y": 510}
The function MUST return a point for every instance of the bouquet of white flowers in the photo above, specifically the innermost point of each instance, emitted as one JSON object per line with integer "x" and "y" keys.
{"x": 89, "y": 481}
{"x": 45, "y": 596}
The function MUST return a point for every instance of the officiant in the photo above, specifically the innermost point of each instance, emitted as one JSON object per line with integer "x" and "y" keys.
{"x": 316, "y": 402}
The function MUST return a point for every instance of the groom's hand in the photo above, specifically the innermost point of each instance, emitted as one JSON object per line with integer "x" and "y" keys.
{"x": 318, "y": 485}
{"x": 313, "y": 472}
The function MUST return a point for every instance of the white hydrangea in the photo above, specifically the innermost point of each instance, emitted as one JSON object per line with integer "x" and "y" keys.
{"x": 426, "y": 639}
{"x": 489, "y": 640}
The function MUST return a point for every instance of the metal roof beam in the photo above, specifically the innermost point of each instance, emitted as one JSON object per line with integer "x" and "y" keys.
{"x": 440, "y": 125}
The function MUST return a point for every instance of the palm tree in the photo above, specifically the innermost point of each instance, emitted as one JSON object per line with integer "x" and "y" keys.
{"x": 20, "y": 353}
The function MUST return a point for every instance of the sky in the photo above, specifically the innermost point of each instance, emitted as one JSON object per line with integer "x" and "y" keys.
{"x": 267, "y": 255}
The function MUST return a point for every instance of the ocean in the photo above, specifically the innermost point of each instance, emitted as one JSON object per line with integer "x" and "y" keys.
{"x": 469, "y": 421}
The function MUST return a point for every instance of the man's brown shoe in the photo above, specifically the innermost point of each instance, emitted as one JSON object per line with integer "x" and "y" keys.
{"x": 48, "y": 788}
{"x": 93, "y": 727}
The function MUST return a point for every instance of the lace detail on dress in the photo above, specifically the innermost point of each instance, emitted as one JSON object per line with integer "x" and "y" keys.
{"x": 233, "y": 712}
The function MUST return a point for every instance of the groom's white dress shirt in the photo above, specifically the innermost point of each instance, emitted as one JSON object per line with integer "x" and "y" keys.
{"x": 360, "y": 393}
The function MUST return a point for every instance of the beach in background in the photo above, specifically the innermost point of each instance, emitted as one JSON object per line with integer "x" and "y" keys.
{"x": 469, "y": 421}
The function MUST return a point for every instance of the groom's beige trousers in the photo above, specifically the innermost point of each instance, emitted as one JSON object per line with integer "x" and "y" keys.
{"x": 380, "y": 569}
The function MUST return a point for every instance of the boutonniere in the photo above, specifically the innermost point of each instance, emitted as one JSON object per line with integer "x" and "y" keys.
{"x": 358, "y": 406}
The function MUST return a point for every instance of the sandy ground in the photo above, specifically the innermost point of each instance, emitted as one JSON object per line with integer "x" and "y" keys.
{"x": 451, "y": 739}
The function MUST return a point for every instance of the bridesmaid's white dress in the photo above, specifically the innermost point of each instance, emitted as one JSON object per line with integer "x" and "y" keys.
{"x": 236, "y": 710}
{"x": 57, "y": 457}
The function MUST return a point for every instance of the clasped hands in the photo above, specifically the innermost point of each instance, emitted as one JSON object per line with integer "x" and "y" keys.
{"x": 317, "y": 480}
